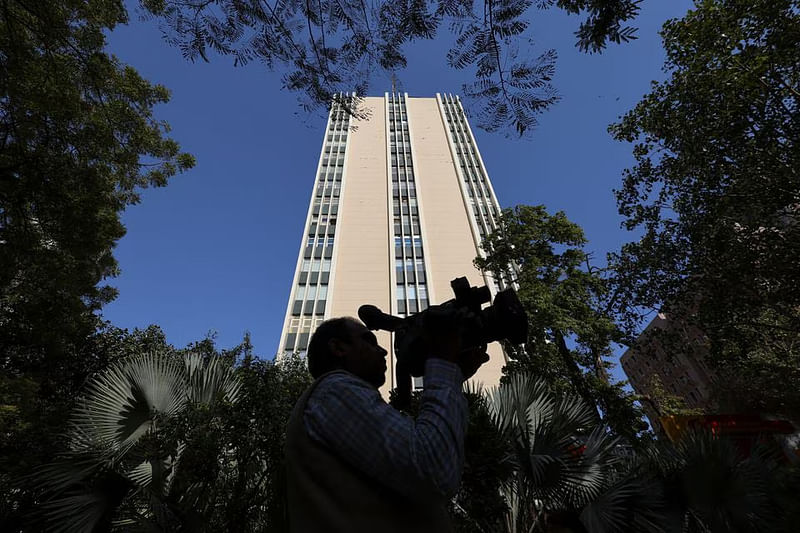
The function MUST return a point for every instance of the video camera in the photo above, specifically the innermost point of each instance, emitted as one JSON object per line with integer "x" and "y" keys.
{"x": 505, "y": 319}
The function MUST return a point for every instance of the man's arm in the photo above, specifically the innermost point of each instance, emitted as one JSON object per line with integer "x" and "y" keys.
{"x": 419, "y": 458}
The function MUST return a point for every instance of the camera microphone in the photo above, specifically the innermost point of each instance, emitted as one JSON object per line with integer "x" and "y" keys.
{"x": 374, "y": 318}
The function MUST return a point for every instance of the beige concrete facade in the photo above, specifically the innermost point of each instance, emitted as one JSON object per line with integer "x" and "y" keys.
{"x": 361, "y": 262}
{"x": 449, "y": 241}
{"x": 363, "y": 258}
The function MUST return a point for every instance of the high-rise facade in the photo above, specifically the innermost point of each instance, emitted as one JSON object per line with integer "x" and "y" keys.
{"x": 398, "y": 209}
{"x": 651, "y": 364}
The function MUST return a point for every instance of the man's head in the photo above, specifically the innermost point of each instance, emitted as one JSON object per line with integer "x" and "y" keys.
{"x": 346, "y": 344}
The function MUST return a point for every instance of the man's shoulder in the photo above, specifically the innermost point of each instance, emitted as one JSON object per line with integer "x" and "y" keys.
{"x": 336, "y": 401}
{"x": 338, "y": 381}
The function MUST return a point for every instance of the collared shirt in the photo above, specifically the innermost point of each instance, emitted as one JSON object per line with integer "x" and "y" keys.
{"x": 413, "y": 456}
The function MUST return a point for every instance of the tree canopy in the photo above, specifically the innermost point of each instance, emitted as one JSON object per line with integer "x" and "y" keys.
{"x": 78, "y": 140}
{"x": 331, "y": 47}
{"x": 571, "y": 331}
{"x": 715, "y": 193}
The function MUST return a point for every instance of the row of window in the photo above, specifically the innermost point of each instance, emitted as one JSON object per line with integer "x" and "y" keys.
{"x": 406, "y": 228}
{"x": 477, "y": 212}
{"x": 485, "y": 212}
{"x": 474, "y": 180}
{"x": 411, "y": 306}
{"x": 316, "y": 265}
{"x": 404, "y": 205}
{"x": 308, "y": 308}
{"x": 310, "y": 300}
{"x": 302, "y": 342}
{"x": 412, "y": 292}
{"x": 311, "y": 292}
{"x": 326, "y": 208}
{"x": 300, "y": 329}
{"x": 404, "y": 189}
{"x": 474, "y": 174}
{"x": 329, "y": 189}
{"x": 334, "y": 175}
{"x": 402, "y": 160}
{"x": 403, "y": 148}
{"x": 407, "y": 241}
{"x": 402, "y": 173}
{"x": 331, "y": 161}
{"x": 322, "y": 230}
{"x": 476, "y": 190}
{"x": 319, "y": 241}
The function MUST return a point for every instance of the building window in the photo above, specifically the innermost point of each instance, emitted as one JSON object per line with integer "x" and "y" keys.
{"x": 303, "y": 342}
{"x": 290, "y": 339}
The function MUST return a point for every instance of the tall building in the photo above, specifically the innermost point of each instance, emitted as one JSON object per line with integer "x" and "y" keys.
{"x": 398, "y": 208}
{"x": 682, "y": 373}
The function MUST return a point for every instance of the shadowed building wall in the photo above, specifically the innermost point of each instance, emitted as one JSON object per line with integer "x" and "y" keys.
{"x": 682, "y": 372}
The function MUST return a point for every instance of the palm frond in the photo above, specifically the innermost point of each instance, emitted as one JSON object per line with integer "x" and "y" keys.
{"x": 125, "y": 436}
{"x": 210, "y": 380}
{"x": 122, "y": 404}
{"x": 65, "y": 472}
{"x": 630, "y": 504}
{"x": 723, "y": 489}
{"x": 85, "y": 506}
{"x": 562, "y": 456}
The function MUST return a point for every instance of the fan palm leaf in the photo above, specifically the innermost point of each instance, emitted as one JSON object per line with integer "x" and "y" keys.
{"x": 561, "y": 455}
{"x": 567, "y": 463}
{"x": 717, "y": 487}
{"x": 122, "y": 434}
{"x": 210, "y": 380}
{"x": 123, "y": 404}
{"x": 631, "y": 503}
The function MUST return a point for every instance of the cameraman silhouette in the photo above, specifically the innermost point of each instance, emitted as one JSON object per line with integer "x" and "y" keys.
{"x": 356, "y": 464}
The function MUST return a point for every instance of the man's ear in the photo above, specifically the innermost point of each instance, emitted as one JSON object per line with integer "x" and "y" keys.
{"x": 337, "y": 347}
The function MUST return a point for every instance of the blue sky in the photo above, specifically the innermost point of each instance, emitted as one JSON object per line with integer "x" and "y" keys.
{"x": 215, "y": 250}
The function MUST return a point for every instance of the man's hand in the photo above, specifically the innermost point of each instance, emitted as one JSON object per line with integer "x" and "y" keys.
{"x": 444, "y": 337}
{"x": 471, "y": 360}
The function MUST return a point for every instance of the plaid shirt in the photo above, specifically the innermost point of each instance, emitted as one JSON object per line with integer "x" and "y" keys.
{"x": 418, "y": 458}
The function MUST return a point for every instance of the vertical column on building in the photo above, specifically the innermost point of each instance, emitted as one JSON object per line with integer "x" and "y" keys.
{"x": 483, "y": 208}
{"x": 307, "y": 302}
{"x": 411, "y": 288}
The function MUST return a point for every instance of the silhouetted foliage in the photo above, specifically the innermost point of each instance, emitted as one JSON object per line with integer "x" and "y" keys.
{"x": 714, "y": 193}
{"x": 78, "y": 142}
{"x": 331, "y": 47}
